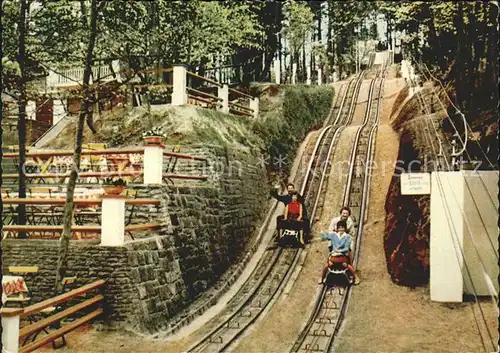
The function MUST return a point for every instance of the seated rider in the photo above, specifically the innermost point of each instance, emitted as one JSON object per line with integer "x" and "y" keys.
{"x": 286, "y": 199}
{"x": 340, "y": 242}
{"x": 345, "y": 215}
{"x": 293, "y": 213}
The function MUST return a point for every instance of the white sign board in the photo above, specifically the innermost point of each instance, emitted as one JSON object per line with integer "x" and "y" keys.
{"x": 415, "y": 183}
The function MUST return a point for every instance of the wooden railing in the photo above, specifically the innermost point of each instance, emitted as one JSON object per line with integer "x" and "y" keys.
{"x": 201, "y": 98}
{"x": 54, "y": 214}
{"x": 13, "y": 337}
{"x": 46, "y": 166}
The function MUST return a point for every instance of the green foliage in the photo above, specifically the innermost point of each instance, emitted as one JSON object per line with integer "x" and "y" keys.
{"x": 345, "y": 19}
{"x": 456, "y": 40}
{"x": 282, "y": 126}
{"x": 114, "y": 181}
{"x": 299, "y": 22}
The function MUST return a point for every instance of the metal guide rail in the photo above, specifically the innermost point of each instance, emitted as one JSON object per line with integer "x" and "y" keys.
{"x": 330, "y": 306}
{"x": 271, "y": 274}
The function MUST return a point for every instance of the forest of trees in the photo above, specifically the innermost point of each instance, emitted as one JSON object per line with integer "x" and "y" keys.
{"x": 250, "y": 34}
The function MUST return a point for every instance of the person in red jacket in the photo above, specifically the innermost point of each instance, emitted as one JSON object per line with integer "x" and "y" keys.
{"x": 293, "y": 215}
{"x": 286, "y": 199}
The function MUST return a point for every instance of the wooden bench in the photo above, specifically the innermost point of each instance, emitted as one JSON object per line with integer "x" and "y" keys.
{"x": 44, "y": 313}
{"x": 40, "y": 325}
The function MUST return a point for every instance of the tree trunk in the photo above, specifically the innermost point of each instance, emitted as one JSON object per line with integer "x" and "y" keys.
{"x": 85, "y": 111}
{"x": 21, "y": 123}
{"x": 1, "y": 140}
{"x": 330, "y": 46}
{"x": 459, "y": 73}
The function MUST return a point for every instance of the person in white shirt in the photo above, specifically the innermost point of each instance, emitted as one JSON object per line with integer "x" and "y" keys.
{"x": 345, "y": 215}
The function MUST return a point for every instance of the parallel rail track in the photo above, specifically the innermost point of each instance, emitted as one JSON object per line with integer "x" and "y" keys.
{"x": 327, "y": 316}
{"x": 275, "y": 268}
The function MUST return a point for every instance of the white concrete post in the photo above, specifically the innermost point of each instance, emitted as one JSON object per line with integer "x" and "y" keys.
{"x": 179, "y": 92}
{"x": 446, "y": 238}
{"x": 308, "y": 72}
{"x": 10, "y": 329}
{"x": 113, "y": 220}
{"x": 294, "y": 72}
{"x": 52, "y": 80}
{"x": 223, "y": 92}
{"x": 153, "y": 161}
{"x": 319, "y": 76}
{"x": 277, "y": 73}
{"x": 254, "y": 104}
{"x": 115, "y": 64}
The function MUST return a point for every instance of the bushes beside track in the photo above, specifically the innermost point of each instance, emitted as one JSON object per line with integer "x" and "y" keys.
{"x": 287, "y": 114}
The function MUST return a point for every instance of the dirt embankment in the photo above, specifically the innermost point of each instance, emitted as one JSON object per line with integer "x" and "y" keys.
{"x": 382, "y": 316}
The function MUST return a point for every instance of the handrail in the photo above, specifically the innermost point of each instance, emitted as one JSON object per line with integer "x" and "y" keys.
{"x": 239, "y": 112}
{"x": 183, "y": 156}
{"x": 240, "y": 93}
{"x": 204, "y": 78}
{"x": 39, "y": 325}
{"x": 65, "y": 116}
{"x": 46, "y": 228}
{"x": 147, "y": 71}
{"x": 92, "y": 175}
{"x": 204, "y": 93}
{"x": 10, "y": 312}
{"x": 78, "y": 202}
{"x": 80, "y": 175}
{"x": 66, "y": 153}
{"x": 36, "y": 308}
{"x": 60, "y": 332}
{"x": 241, "y": 106}
{"x": 203, "y": 100}
{"x": 180, "y": 176}
{"x": 152, "y": 86}
{"x": 82, "y": 229}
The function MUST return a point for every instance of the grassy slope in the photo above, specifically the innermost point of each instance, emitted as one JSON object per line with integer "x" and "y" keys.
{"x": 287, "y": 113}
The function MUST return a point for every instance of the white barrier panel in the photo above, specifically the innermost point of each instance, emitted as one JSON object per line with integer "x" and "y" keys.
{"x": 464, "y": 210}
{"x": 481, "y": 216}
{"x": 446, "y": 238}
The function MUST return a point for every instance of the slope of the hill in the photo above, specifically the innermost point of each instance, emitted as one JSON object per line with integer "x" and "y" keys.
{"x": 382, "y": 316}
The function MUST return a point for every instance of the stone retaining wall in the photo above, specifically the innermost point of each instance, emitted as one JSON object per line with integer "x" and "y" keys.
{"x": 205, "y": 229}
